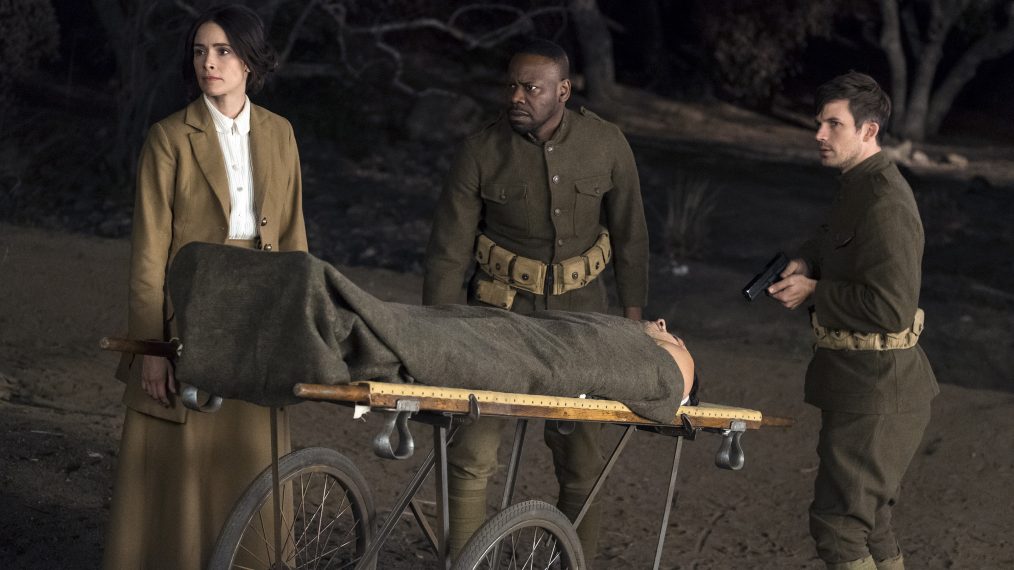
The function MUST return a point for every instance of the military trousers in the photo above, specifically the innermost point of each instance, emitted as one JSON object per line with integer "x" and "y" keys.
{"x": 863, "y": 458}
{"x": 472, "y": 459}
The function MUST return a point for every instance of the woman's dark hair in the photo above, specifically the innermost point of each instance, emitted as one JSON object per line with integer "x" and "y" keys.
{"x": 245, "y": 31}
{"x": 867, "y": 101}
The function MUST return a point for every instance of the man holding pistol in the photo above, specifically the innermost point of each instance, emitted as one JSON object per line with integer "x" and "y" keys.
{"x": 540, "y": 201}
{"x": 868, "y": 375}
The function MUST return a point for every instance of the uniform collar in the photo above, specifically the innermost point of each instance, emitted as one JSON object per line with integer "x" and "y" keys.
{"x": 872, "y": 164}
{"x": 559, "y": 134}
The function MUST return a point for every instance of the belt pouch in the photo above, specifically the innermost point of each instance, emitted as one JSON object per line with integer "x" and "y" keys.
{"x": 528, "y": 274}
{"x": 605, "y": 245}
{"x": 500, "y": 261}
{"x": 596, "y": 261}
{"x": 574, "y": 274}
{"x": 483, "y": 245}
{"x": 495, "y": 293}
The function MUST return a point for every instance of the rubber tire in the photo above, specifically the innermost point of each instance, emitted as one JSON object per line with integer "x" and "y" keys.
{"x": 290, "y": 467}
{"x": 526, "y": 515}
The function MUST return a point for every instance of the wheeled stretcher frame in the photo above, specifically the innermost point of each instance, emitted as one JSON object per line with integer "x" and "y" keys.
{"x": 446, "y": 409}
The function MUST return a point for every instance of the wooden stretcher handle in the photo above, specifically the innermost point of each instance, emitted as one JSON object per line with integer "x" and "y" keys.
{"x": 775, "y": 421}
{"x": 355, "y": 393}
{"x": 167, "y": 349}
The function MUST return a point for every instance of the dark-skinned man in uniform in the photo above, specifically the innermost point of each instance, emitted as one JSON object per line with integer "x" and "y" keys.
{"x": 538, "y": 202}
{"x": 868, "y": 375}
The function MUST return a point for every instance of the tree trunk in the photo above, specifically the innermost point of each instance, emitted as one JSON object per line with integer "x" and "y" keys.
{"x": 941, "y": 20}
{"x": 656, "y": 62}
{"x": 891, "y": 43}
{"x": 128, "y": 28}
{"x": 596, "y": 49}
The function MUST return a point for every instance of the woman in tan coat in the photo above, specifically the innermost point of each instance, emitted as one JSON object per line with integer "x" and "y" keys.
{"x": 221, "y": 170}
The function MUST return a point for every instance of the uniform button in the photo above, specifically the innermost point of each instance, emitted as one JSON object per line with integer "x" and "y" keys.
{"x": 503, "y": 196}
{"x": 524, "y": 277}
{"x": 559, "y": 242}
{"x": 549, "y": 149}
{"x": 556, "y": 179}
{"x": 267, "y": 247}
{"x": 498, "y": 266}
{"x": 556, "y": 212}
{"x": 239, "y": 188}
{"x": 597, "y": 191}
{"x": 573, "y": 275}
{"x": 264, "y": 221}
{"x": 235, "y": 167}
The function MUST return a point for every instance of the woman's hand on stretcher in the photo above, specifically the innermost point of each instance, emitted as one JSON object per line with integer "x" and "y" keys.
{"x": 157, "y": 378}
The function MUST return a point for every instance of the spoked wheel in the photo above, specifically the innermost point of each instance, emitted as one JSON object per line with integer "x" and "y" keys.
{"x": 327, "y": 517}
{"x": 531, "y": 535}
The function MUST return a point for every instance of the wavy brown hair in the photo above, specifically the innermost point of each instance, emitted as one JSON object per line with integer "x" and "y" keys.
{"x": 245, "y": 31}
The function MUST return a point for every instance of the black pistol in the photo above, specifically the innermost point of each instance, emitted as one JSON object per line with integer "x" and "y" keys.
{"x": 772, "y": 273}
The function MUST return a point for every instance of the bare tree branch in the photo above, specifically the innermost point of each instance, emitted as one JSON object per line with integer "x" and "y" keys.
{"x": 991, "y": 46}
{"x": 297, "y": 27}
{"x": 523, "y": 21}
{"x": 188, "y": 8}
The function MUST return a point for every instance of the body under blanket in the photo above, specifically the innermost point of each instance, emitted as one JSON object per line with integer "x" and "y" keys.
{"x": 253, "y": 324}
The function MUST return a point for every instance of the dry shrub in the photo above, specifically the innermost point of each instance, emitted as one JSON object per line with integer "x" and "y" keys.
{"x": 690, "y": 204}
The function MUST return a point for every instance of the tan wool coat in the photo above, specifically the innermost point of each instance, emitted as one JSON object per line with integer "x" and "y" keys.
{"x": 178, "y": 474}
{"x": 183, "y": 196}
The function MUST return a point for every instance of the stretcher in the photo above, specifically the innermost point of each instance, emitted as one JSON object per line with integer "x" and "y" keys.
{"x": 312, "y": 508}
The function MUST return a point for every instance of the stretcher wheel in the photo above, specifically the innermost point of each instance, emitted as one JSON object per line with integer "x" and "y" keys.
{"x": 528, "y": 535}
{"x": 327, "y": 516}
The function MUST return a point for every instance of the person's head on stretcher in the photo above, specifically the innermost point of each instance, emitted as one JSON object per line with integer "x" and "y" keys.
{"x": 676, "y": 348}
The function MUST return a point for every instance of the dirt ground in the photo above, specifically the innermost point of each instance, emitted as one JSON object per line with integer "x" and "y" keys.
{"x": 60, "y": 414}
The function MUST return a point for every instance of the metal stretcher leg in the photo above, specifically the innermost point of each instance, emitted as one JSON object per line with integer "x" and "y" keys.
{"x": 443, "y": 508}
{"x": 512, "y": 474}
{"x": 276, "y": 494}
{"x": 515, "y": 464}
{"x": 439, "y": 453}
{"x": 627, "y": 432}
{"x": 668, "y": 501}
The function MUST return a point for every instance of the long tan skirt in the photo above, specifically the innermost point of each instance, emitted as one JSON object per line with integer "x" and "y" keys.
{"x": 177, "y": 483}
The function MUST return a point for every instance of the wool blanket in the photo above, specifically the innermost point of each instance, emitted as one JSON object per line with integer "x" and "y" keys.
{"x": 254, "y": 323}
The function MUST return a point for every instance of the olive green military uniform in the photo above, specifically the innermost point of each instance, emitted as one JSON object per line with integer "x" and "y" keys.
{"x": 547, "y": 202}
{"x": 875, "y": 403}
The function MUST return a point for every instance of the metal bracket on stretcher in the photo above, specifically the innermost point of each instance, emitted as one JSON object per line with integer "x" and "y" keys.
{"x": 403, "y": 400}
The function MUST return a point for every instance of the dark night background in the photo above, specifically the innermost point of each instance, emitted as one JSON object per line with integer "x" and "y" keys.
{"x": 714, "y": 97}
{"x": 83, "y": 81}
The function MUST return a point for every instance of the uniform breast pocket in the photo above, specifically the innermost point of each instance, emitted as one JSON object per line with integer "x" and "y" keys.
{"x": 842, "y": 237}
{"x": 506, "y": 207}
{"x": 588, "y": 200}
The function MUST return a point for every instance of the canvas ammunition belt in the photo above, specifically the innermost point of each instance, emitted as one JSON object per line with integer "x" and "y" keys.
{"x": 511, "y": 271}
{"x": 837, "y": 339}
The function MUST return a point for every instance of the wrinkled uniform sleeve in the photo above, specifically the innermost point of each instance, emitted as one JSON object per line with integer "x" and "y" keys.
{"x": 152, "y": 236}
{"x": 452, "y": 237}
{"x": 628, "y": 231}
{"x": 884, "y": 295}
{"x": 810, "y": 251}
{"x": 293, "y": 237}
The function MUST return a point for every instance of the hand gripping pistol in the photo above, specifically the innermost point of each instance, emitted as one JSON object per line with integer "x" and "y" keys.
{"x": 772, "y": 273}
